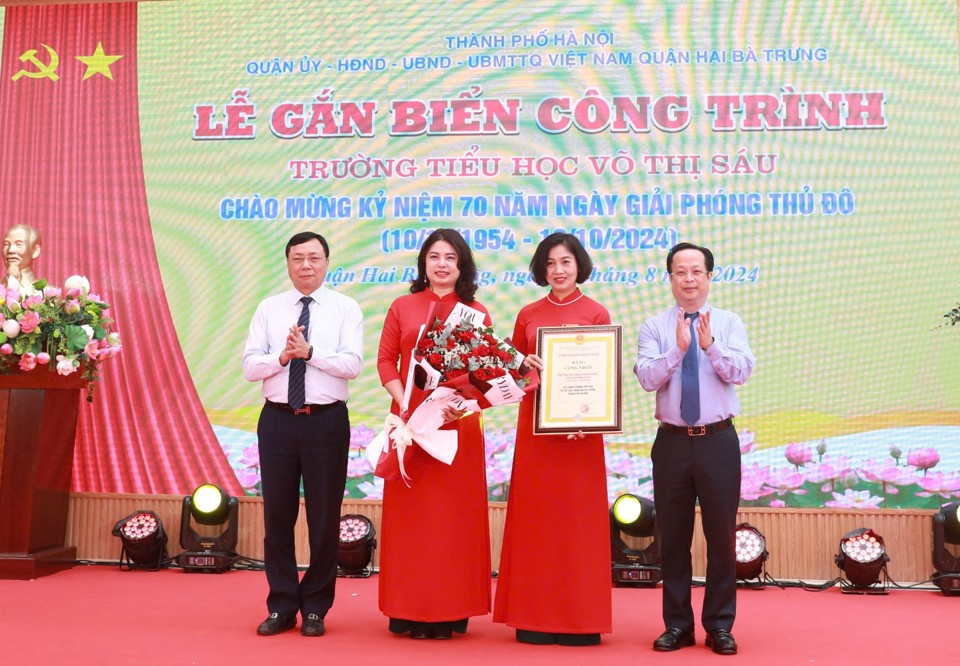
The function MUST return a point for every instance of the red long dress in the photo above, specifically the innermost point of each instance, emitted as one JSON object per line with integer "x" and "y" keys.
{"x": 435, "y": 536}
{"x": 555, "y": 564}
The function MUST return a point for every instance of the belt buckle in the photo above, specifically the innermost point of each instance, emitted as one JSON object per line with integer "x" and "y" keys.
{"x": 697, "y": 430}
{"x": 303, "y": 410}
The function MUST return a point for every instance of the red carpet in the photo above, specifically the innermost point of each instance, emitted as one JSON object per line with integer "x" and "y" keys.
{"x": 100, "y": 616}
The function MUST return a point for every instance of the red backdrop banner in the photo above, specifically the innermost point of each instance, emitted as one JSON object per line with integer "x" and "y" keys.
{"x": 71, "y": 166}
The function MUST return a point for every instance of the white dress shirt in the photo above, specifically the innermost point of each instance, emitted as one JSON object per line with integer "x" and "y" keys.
{"x": 336, "y": 333}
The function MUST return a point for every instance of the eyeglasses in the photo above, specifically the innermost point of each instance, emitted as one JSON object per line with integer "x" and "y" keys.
{"x": 683, "y": 275}
{"x": 313, "y": 259}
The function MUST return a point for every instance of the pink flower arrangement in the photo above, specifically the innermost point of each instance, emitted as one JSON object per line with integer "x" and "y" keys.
{"x": 39, "y": 325}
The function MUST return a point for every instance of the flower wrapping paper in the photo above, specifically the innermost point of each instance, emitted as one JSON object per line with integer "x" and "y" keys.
{"x": 464, "y": 366}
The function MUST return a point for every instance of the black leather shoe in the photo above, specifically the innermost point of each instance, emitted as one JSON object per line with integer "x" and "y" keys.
{"x": 399, "y": 626}
{"x": 674, "y": 639}
{"x": 312, "y": 625}
{"x": 420, "y": 630}
{"x": 721, "y": 641}
{"x": 276, "y": 624}
{"x": 441, "y": 631}
{"x": 578, "y": 640}
{"x": 536, "y": 637}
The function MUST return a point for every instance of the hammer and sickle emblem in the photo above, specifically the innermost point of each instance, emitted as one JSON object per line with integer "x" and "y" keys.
{"x": 43, "y": 70}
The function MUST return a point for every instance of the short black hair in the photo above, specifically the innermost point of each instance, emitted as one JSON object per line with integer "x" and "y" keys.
{"x": 679, "y": 247}
{"x": 538, "y": 265}
{"x": 306, "y": 237}
{"x": 466, "y": 285}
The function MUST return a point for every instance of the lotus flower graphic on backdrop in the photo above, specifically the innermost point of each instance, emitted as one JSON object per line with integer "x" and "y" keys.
{"x": 821, "y": 449}
{"x": 854, "y": 499}
{"x": 942, "y": 484}
{"x": 923, "y": 458}
{"x": 798, "y": 454}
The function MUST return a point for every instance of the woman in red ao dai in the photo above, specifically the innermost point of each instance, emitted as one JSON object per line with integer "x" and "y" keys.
{"x": 434, "y": 537}
{"x": 563, "y": 598}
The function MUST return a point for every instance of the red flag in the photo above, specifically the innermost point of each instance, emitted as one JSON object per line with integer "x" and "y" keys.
{"x": 71, "y": 166}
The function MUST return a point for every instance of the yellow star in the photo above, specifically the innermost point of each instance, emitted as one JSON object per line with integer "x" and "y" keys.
{"x": 98, "y": 63}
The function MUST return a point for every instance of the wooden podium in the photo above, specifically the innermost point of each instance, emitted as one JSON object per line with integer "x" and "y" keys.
{"x": 38, "y": 424}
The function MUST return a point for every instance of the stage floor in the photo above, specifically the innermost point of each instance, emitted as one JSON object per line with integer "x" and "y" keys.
{"x": 100, "y": 616}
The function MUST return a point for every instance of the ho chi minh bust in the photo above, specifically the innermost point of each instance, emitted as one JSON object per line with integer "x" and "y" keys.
{"x": 21, "y": 247}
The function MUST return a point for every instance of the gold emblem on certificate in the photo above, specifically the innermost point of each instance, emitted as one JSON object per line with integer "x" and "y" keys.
{"x": 580, "y": 385}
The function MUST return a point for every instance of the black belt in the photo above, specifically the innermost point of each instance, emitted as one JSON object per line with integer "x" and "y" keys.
{"x": 698, "y": 430}
{"x": 306, "y": 409}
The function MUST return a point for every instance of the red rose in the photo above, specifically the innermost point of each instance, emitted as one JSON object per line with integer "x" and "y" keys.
{"x": 436, "y": 360}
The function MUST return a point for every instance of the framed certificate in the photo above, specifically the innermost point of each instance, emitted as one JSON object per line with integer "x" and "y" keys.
{"x": 580, "y": 384}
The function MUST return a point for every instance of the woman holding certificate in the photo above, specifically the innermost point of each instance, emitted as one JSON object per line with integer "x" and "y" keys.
{"x": 554, "y": 582}
{"x": 435, "y": 540}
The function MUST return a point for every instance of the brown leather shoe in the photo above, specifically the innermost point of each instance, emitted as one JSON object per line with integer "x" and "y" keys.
{"x": 312, "y": 625}
{"x": 674, "y": 639}
{"x": 721, "y": 641}
{"x": 276, "y": 624}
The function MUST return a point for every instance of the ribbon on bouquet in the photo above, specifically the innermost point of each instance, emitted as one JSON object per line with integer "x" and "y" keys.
{"x": 397, "y": 436}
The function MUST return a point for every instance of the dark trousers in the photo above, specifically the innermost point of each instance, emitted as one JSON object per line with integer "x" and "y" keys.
{"x": 314, "y": 448}
{"x": 687, "y": 469}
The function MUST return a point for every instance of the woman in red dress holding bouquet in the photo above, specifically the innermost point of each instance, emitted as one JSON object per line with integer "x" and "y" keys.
{"x": 435, "y": 539}
{"x": 554, "y": 582}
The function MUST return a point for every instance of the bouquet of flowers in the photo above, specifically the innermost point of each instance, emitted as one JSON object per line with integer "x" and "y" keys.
{"x": 471, "y": 358}
{"x": 67, "y": 330}
{"x": 466, "y": 367}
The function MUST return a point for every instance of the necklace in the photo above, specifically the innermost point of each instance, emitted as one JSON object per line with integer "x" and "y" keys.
{"x": 563, "y": 305}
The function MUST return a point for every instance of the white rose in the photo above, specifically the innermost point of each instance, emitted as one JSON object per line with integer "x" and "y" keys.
{"x": 78, "y": 282}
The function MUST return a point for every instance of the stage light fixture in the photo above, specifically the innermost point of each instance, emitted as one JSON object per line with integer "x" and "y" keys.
{"x": 357, "y": 541}
{"x": 946, "y": 530}
{"x": 636, "y": 517}
{"x": 751, "y": 552}
{"x": 143, "y": 542}
{"x": 862, "y": 557}
{"x": 208, "y": 530}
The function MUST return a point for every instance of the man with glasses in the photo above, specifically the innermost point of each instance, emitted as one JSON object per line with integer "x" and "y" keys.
{"x": 692, "y": 355}
{"x": 304, "y": 345}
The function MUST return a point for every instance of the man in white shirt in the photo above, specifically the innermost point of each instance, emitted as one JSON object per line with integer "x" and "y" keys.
{"x": 304, "y": 345}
